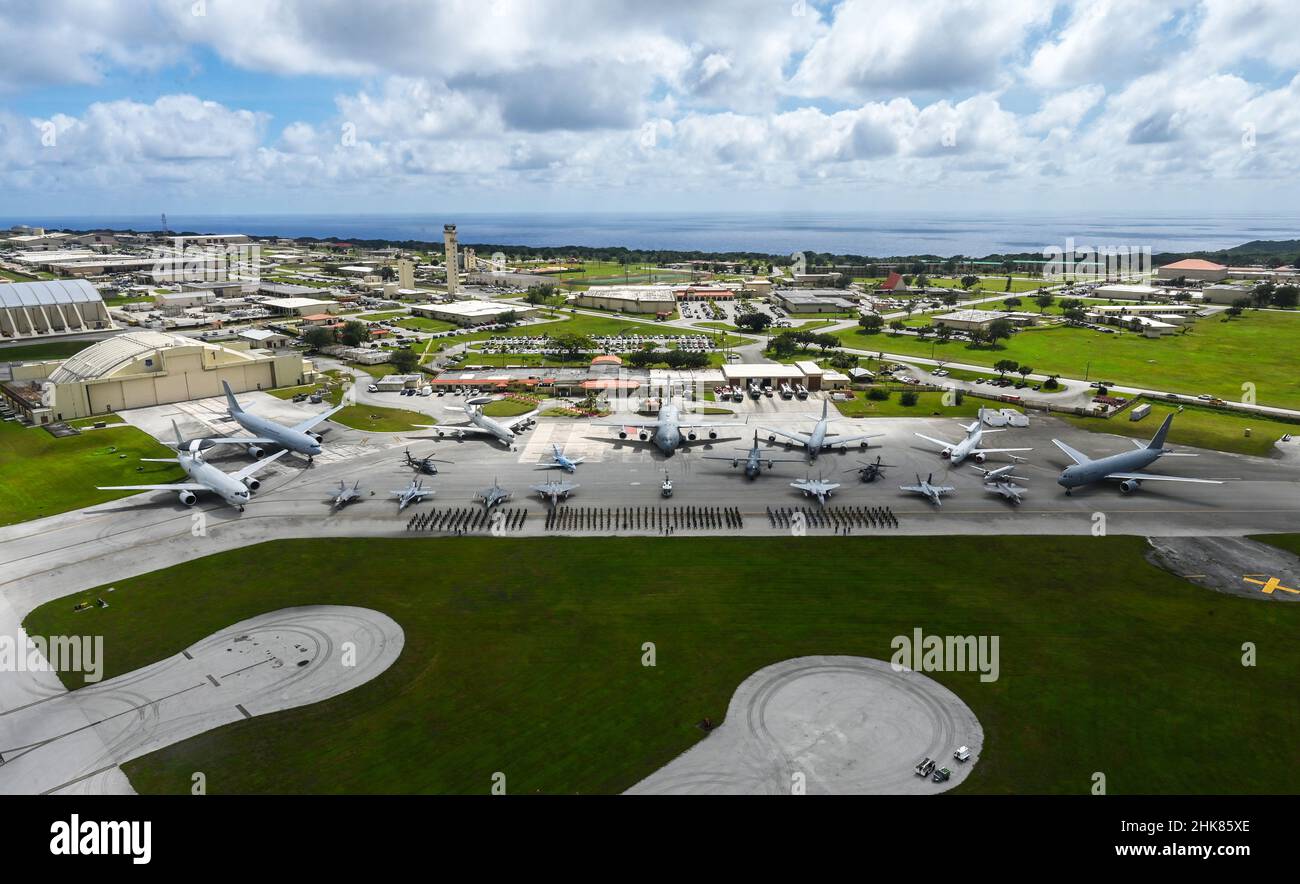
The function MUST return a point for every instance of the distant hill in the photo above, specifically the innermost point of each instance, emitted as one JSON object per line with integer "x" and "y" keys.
{"x": 1257, "y": 251}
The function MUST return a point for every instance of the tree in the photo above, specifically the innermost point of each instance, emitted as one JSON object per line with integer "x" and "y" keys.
{"x": 387, "y": 274}
{"x": 1002, "y": 366}
{"x": 318, "y": 337}
{"x": 843, "y": 361}
{"x": 405, "y": 361}
{"x": 1013, "y": 302}
{"x": 1024, "y": 371}
{"x": 570, "y": 345}
{"x": 540, "y": 293}
{"x": 898, "y": 325}
{"x": 908, "y": 399}
{"x": 753, "y": 321}
{"x": 510, "y": 317}
{"x": 1008, "y": 286}
{"x": 1286, "y": 296}
{"x": 999, "y": 329}
{"x": 643, "y": 358}
{"x": 968, "y": 280}
{"x": 354, "y": 332}
{"x": 1262, "y": 294}
{"x": 1044, "y": 301}
{"x": 1051, "y": 383}
{"x": 784, "y": 346}
{"x": 871, "y": 323}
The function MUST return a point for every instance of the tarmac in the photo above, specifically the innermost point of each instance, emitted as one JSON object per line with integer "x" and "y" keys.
{"x": 75, "y": 741}
{"x": 829, "y": 725}
{"x": 1232, "y": 565}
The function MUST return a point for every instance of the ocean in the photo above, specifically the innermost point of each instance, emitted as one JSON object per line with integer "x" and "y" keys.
{"x": 875, "y": 235}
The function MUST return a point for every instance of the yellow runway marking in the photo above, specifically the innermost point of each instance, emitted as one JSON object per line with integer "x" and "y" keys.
{"x": 1272, "y": 583}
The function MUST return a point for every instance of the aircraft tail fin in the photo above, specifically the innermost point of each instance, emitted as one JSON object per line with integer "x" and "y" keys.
{"x": 230, "y": 398}
{"x": 1158, "y": 440}
{"x": 180, "y": 440}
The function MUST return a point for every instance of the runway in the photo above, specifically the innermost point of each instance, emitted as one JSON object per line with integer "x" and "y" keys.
{"x": 829, "y": 725}
{"x": 75, "y": 741}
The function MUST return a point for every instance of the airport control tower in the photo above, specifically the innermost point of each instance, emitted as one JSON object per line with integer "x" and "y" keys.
{"x": 449, "y": 243}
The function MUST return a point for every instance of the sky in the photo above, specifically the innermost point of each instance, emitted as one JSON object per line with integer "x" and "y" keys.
{"x": 339, "y": 106}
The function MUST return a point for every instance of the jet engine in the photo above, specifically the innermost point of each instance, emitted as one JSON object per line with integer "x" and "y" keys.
{"x": 253, "y": 483}
{"x": 1128, "y": 486}
{"x": 713, "y": 434}
{"x": 979, "y": 457}
{"x": 691, "y": 435}
{"x": 735, "y": 462}
{"x": 256, "y": 452}
{"x": 946, "y": 453}
{"x": 187, "y": 498}
{"x": 317, "y": 436}
{"x": 643, "y": 435}
{"x": 622, "y": 434}
{"x": 771, "y": 437}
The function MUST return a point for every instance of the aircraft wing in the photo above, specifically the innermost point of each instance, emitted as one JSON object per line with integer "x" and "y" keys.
{"x": 642, "y": 423}
{"x": 915, "y": 489}
{"x": 1143, "y": 477}
{"x": 256, "y": 465}
{"x": 315, "y": 419}
{"x": 549, "y": 466}
{"x": 707, "y": 441}
{"x": 1077, "y": 456}
{"x": 938, "y": 442}
{"x": 797, "y": 437}
{"x": 520, "y": 421}
{"x": 177, "y": 486}
{"x": 849, "y": 440}
{"x": 983, "y": 450}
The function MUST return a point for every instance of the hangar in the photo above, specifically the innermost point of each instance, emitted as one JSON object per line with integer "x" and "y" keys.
{"x": 56, "y": 307}
{"x": 145, "y": 368}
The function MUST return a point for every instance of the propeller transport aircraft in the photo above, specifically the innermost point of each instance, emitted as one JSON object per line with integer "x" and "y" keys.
{"x": 754, "y": 459}
{"x": 233, "y": 488}
{"x": 970, "y": 445}
{"x": 820, "y": 438}
{"x": 1126, "y": 467}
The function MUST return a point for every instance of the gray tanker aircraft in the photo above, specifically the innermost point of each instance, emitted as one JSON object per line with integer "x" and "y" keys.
{"x": 667, "y": 432}
{"x": 298, "y": 438}
{"x": 820, "y": 439}
{"x": 233, "y": 488}
{"x": 1126, "y": 467}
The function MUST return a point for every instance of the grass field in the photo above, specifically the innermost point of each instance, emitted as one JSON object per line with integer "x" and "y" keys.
{"x": 1106, "y": 662}
{"x": 41, "y": 475}
{"x": 420, "y": 323}
{"x": 927, "y": 405}
{"x": 47, "y": 350}
{"x": 1197, "y": 427}
{"x": 506, "y": 408}
{"x": 1216, "y": 357}
{"x": 378, "y": 419}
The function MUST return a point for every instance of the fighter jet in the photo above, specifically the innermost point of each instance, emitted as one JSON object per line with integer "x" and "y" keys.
{"x": 819, "y": 440}
{"x": 481, "y": 425}
{"x": 555, "y": 490}
{"x": 423, "y": 465}
{"x": 666, "y": 432}
{"x": 413, "y": 493}
{"x": 928, "y": 489}
{"x": 492, "y": 496}
{"x": 1000, "y": 481}
{"x": 1125, "y": 467}
{"x": 970, "y": 446}
{"x": 818, "y": 488}
{"x": 754, "y": 459}
{"x": 560, "y": 462}
{"x": 297, "y": 438}
{"x": 345, "y": 495}
{"x": 870, "y": 472}
{"x": 233, "y": 488}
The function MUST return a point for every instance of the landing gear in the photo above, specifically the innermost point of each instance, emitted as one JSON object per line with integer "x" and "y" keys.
{"x": 1069, "y": 491}
{"x": 241, "y": 509}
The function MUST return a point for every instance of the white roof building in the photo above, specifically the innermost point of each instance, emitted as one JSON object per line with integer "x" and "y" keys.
{"x": 53, "y": 307}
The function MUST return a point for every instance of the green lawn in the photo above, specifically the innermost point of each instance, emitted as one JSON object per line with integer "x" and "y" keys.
{"x": 1106, "y": 662}
{"x": 1216, "y": 357}
{"x": 420, "y": 323}
{"x": 41, "y": 475}
{"x": 378, "y": 419}
{"x": 507, "y": 408}
{"x": 43, "y": 351}
{"x": 1197, "y": 427}
{"x": 927, "y": 405}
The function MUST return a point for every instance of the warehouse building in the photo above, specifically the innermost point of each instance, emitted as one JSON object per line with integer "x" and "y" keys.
{"x": 1194, "y": 268}
{"x": 471, "y": 312}
{"x": 146, "y": 368}
{"x": 969, "y": 320}
{"x": 56, "y": 307}
{"x": 813, "y": 301}
{"x": 650, "y": 299}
